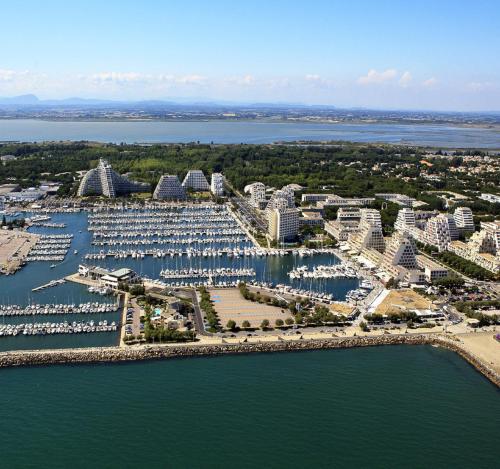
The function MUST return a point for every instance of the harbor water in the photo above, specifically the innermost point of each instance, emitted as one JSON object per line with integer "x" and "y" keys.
{"x": 17, "y": 288}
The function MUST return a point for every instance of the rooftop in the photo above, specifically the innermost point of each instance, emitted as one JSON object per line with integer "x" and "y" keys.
{"x": 121, "y": 272}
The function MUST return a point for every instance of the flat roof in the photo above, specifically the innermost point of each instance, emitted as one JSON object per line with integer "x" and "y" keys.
{"x": 99, "y": 270}
{"x": 121, "y": 272}
{"x": 311, "y": 214}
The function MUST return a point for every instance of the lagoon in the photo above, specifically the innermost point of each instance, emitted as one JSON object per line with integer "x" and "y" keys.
{"x": 251, "y": 132}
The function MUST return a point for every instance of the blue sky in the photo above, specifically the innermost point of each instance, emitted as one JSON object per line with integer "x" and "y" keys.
{"x": 422, "y": 54}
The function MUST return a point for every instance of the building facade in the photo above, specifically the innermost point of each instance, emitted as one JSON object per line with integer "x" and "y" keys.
{"x": 283, "y": 224}
{"x": 217, "y": 184}
{"x": 196, "y": 180}
{"x": 370, "y": 234}
{"x": 257, "y": 193}
{"x": 169, "y": 188}
{"x": 464, "y": 219}
{"x": 437, "y": 232}
{"x": 104, "y": 181}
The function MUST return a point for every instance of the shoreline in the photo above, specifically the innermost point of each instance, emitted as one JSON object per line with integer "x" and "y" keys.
{"x": 168, "y": 351}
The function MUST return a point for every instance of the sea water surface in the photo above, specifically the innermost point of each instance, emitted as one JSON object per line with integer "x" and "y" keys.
{"x": 380, "y": 407}
{"x": 29, "y": 130}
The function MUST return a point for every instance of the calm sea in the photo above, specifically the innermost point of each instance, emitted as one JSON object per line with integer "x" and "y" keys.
{"x": 386, "y": 407}
{"x": 28, "y": 130}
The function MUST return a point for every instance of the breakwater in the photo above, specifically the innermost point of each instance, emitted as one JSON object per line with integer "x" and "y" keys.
{"x": 122, "y": 354}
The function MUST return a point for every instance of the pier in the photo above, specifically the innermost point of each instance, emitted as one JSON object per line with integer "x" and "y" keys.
{"x": 169, "y": 351}
{"x": 50, "y": 328}
{"x": 45, "y": 309}
{"x": 50, "y": 284}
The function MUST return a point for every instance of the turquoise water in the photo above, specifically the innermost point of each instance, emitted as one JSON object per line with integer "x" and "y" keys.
{"x": 28, "y": 130}
{"x": 384, "y": 407}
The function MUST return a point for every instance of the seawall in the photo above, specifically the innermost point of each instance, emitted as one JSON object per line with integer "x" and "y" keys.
{"x": 124, "y": 354}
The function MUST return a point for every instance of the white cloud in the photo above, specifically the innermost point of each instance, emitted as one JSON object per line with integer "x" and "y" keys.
{"x": 312, "y": 88}
{"x": 118, "y": 77}
{"x": 374, "y": 77}
{"x": 478, "y": 86}
{"x": 282, "y": 82}
{"x": 405, "y": 79}
{"x": 191, "y": 79}
{"x": 130, "y": 79}
{"x": 430, "y": 82}
{"x": 245, "y": 80}
{"x": 312, "y": 77}
{"x": 11, "y": 75}
{"x": 318, "y": 81}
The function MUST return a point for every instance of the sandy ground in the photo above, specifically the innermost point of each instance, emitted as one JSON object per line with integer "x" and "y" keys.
{"x": 484, "y": 346}
{"x": 403, "y": 300}
{"x": 229, "y": 304}
{"x": 14, "y": 247}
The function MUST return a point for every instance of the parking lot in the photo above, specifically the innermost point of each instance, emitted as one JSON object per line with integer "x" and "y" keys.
{"x": 133, "y": 325}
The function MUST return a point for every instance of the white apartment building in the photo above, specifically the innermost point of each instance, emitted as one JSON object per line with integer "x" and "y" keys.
{"x": 348, "y": 214}
{"x": 315, "y": 197}
{"x": 337, "y": 201}
{"x": 347, "y": 222}
{"x": 169, "y": 188}
{"x": 452, "y": 226}
{"x": 283, "y": 224}
{"x": 437, "y": 232}
{"x": 493, "y": 230}
{"x": 405, "y": 220}
{"x": 257, "y": 192}
{"x": 217, "y": 184}
{"x": 104, "y": 181}
{"x": 400, "y": 199}
{"x": 370, "y": 233}
{"x": 276, "y": 200}
{"x": 432, "y": 270}
{"x": 196, "y": 180}
{"x": 401, "y": 251}
{"x": 464, "y": 219}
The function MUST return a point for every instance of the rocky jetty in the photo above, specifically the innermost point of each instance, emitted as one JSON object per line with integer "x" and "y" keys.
{"x": 120, "y": 354}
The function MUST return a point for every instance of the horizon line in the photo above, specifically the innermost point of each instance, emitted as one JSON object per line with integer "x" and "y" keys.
{"x": 179, "y": 100}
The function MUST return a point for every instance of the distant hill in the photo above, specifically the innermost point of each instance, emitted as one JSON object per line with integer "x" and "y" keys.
{"x": 23, "y": 99}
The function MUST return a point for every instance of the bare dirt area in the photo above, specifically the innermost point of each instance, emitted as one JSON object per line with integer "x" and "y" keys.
{"x": 229, "y": 304}
{"x": 484, "y": 346}
{"x": 14, "y": 247}
{"x": 403, "y": 300}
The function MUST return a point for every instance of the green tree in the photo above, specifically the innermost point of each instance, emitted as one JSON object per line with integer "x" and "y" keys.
{"x": 264, "y": 324}
{"x": 231, "y": 325}
{"x": 245, "y": 324}
{"x": 137, "y": 290}
{"x": 279, "y": 322}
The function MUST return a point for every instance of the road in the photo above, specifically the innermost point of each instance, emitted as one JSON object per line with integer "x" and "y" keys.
{"x": 198, "y": 314}
{"x": 248, "y": 212}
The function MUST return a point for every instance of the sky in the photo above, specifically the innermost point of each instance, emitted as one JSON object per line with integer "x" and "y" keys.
{"x": 399, "y": 54}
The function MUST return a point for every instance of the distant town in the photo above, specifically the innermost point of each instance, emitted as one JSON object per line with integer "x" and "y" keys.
{"x": 30, "y": 107}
